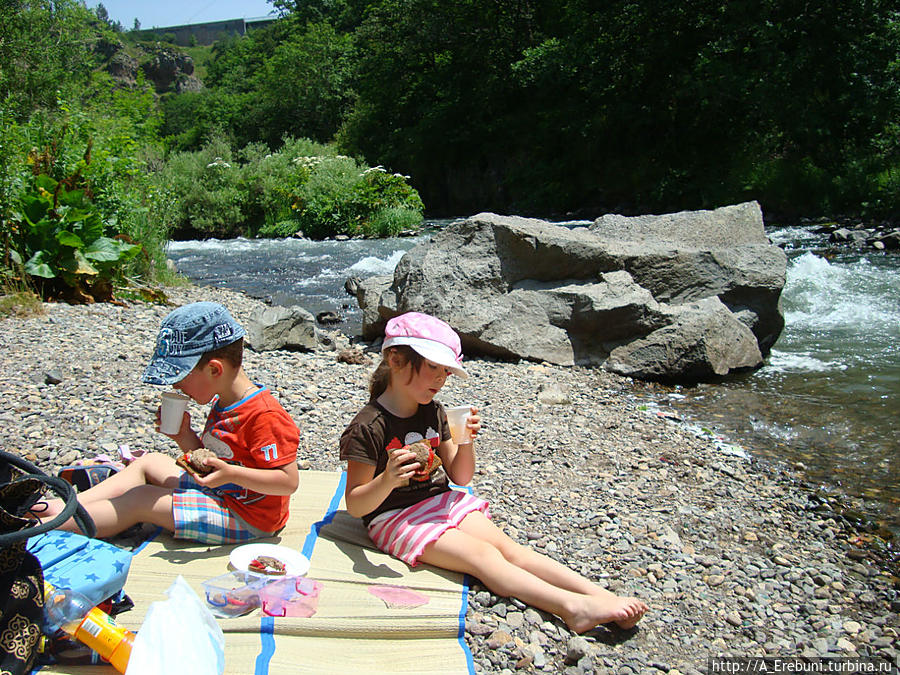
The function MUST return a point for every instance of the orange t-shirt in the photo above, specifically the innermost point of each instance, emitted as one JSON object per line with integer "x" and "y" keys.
{"x": 254, "y": 432}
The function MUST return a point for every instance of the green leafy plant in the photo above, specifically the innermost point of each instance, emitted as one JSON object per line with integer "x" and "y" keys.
{"x": 60, "y": 242}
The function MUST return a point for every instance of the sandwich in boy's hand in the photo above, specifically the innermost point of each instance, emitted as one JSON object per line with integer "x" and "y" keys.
{"x": 194, "y": 462}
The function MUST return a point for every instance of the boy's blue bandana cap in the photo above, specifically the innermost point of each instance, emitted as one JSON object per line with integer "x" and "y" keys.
{"x": 186, "y": 335}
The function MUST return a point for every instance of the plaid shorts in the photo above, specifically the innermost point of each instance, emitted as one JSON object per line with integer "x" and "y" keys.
{"x": 404, "y": 533}
{"x": 201, "y": 515}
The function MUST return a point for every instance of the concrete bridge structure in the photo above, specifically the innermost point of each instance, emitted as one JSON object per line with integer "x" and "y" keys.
{"x": 207, "y": 33}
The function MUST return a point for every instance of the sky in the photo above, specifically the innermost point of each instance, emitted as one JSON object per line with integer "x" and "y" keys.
{"x": 162, "y": 13}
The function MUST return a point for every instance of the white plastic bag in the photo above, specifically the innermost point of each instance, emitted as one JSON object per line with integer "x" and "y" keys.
{"x": 179, "y": 635}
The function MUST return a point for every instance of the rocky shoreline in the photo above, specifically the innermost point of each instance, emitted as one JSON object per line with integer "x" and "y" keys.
{"x": 734, "y": 557}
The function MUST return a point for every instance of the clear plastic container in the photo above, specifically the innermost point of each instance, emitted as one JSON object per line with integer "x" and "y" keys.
{"x": 290, "y": 596}
{"x": 73, "y": 613}
{"x": 233, "y": 593}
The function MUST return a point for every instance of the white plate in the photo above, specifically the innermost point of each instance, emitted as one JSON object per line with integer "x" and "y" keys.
{"x": 295, "y": 563}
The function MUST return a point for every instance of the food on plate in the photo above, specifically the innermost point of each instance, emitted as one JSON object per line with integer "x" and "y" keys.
{"x": 194, "y": 462}
{"x": 426, "y": 457}
{"x": 266, "y": 564}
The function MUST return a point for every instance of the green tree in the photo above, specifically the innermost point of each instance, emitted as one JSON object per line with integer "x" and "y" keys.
{"x": 536, "y": 106}
{"x": 304, "y": 88}
{"x": 436, "y": 98}
{"x": 45, "y": 52}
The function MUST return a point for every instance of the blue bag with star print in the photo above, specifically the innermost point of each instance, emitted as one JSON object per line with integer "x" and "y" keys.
{"x": 90, "y": 566}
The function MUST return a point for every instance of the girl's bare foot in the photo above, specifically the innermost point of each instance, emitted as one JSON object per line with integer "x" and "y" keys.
{"x": 595, "y": 610}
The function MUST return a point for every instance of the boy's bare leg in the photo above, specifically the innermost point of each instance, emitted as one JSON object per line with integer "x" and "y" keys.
{"x": 140, "y": 504}
{"x": 152, "y": 469}
{"x": 544, "y": 567}
{"x": 462, "y": 551}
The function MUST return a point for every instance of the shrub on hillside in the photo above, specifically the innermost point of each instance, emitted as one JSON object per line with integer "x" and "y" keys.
{"x": 305, "y": 187}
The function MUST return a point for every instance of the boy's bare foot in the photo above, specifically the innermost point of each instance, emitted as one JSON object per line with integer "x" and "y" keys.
{"x": 46, "y": 509}
{"x": 594, "y": 610}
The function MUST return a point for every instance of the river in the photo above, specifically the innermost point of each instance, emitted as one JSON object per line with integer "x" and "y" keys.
{"x": 826, "y": 399}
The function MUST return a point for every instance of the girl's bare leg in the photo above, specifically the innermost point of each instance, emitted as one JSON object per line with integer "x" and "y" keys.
{"x": 461, "y": 551}
{"x": 551, "y": 571}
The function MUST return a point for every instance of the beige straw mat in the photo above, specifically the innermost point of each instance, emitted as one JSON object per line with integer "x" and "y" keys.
{"x": 352, "y": 631}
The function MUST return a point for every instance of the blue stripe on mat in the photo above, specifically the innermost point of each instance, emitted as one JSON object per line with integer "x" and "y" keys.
{"x": 464, "y": 607}
{"x": 267, "y": 623}
{"x": 461, "y": 634}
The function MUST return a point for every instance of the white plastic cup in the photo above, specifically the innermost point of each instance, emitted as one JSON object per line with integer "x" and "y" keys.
{"x": 457, "y": 418}
{"x": 171, "y": 412}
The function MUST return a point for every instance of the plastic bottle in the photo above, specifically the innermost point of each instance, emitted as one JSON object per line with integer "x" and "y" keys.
{"x": 73, "y": 613}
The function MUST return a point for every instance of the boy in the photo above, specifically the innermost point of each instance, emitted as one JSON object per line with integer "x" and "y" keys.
{"x": 199, "y": 352}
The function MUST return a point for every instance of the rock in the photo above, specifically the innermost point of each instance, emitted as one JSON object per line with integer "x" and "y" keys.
{"x": 328, "y": 318}
{"x": 852, "y": 627}
{"x": 164, "y": 66}
{"x": 553, "y": 394}
{"x": 576, "y": 649}
{"x": 351, "y": 285}
{"x": 734, "y": 618}
{"x": 280, "y": 328}
{"x": 354, "y": 356}
{"x": 704, "y": 340}
{"x": 53, "y": 377}
{"x": 707, "y": 282}
{"x": 122, "y": 67}
{"x": 370, "y": 294}
{"x": 891, "y": 241}
{"x": 499, "y": 638}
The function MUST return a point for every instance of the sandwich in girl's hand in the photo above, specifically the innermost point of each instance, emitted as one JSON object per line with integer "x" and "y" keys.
{"x": 426, "y": 457}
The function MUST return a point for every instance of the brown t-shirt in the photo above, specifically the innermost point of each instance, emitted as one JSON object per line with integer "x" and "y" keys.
{"x": 374, "y": 433}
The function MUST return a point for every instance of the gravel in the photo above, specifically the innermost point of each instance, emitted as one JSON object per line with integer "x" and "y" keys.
{"x": 734, "y": 557}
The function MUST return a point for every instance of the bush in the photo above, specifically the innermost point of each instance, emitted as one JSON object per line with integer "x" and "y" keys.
{"x": 59, "y": 238}
{"x": 304, "y": 187}
{"x": 74, "y": 198}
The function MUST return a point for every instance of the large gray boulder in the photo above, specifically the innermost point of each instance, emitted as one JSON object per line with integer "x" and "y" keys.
{"x": 704, "y": 340}
{"x": 680, "y": 296}
{"x": 282, "y": 328}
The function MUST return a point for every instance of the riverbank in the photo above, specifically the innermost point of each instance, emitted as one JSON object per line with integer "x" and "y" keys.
{"x": 734, "y": 557}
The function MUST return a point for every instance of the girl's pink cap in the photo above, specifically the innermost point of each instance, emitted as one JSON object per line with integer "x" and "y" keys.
{"x": 429, "y": 337}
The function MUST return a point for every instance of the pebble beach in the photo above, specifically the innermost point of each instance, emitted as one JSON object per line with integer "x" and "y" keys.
{"x": 736, "y": 558}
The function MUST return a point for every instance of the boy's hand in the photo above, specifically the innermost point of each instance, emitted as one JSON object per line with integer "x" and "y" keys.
{"x": 401, "y": 466}
{"x": 220, "y": 474}
{"x": 185, "y": 438}
{"x": 185, "y": 424}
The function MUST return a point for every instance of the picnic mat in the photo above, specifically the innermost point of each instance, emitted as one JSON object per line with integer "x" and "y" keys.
{"x": 352, "y": 631}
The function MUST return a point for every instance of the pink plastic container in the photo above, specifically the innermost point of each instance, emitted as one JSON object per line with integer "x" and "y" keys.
{"x": 291, "y": 596}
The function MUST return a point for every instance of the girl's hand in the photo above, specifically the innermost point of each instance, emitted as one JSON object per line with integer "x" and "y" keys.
{"x": 401, "y": 466}
{"x": 473, "y": 423}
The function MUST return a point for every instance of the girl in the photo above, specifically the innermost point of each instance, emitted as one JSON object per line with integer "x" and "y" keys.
{"x": 415, "y": 515}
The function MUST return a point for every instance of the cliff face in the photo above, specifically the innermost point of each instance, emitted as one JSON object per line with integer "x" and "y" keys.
{"x": 166, "y": 67}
